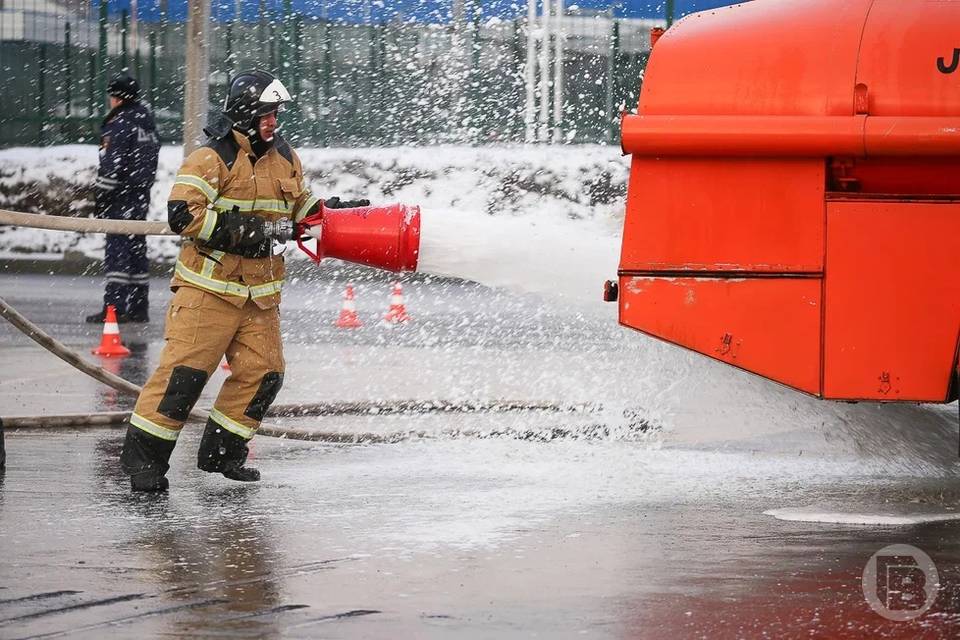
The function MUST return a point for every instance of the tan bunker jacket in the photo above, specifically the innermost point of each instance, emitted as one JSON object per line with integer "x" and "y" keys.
{"x": 218, "y": 256}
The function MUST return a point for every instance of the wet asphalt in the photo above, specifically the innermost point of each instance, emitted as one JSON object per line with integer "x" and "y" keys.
{"x": 480, "y": 525}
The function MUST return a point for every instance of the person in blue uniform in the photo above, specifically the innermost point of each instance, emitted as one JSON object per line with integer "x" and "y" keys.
{"x": 129, "y": 147}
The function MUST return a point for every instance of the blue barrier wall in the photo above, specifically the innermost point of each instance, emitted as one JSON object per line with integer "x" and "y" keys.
{"x": 436, "y": 11}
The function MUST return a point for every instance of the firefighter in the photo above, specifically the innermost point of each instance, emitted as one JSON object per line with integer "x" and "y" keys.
{"x": 232, "y": 200}
{"x": 129, "y": 147}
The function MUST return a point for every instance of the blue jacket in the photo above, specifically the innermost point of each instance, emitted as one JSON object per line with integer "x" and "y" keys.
{"x": 129, "y": 148}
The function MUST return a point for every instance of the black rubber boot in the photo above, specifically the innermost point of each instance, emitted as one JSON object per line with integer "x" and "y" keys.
{"x": 97, "y": 317}
{"x": 145, "y": 459}
{"x": 224, "y": 452}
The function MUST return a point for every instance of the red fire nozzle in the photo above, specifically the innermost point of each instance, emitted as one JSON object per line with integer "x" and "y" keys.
{"x": 386, "y": 237}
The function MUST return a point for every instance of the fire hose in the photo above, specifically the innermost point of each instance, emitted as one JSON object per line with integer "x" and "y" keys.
{"x": 113, "y": 381}
{"x": 138, "y": 227}
{"x": 85, "y": 225}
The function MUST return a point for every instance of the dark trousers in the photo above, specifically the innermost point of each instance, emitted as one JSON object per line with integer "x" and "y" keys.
{"x": 126, "y": 267}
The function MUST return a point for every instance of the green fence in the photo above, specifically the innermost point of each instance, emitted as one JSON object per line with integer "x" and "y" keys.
{"x": 381, "y": 84}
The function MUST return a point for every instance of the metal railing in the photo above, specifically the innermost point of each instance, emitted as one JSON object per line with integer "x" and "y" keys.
{"x": 355, "y": 84}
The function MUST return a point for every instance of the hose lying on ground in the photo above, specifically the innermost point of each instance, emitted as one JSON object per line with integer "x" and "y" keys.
{"x": 113, "y": 381}
{"x": 63, "y": 352}
{"x": 361, "y": 408}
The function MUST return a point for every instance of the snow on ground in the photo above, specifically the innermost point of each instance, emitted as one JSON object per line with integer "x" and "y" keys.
{"x": 529, "y": 218}
{"x": 885, "y": 515}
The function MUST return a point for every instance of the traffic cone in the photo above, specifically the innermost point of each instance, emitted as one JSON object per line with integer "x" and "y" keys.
{"x": 348, "y": 312}
{"x": 397, "y": 313}
{"x": 110, "y": 344}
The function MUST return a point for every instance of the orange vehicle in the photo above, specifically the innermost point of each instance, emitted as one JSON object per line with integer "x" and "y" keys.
{"x": 793, "y": 206}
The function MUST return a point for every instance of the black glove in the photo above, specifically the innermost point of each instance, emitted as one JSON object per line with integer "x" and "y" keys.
{"x": 244, "y": 234}
{"x": 336, "y": 203}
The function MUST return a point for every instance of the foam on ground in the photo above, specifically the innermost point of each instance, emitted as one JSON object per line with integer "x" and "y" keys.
{"x": 903, "y": 516}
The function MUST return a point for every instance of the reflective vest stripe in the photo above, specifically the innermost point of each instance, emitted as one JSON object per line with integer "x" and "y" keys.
{"x": 154, "y": 429}
{"x": 209, "y": 222}
{"x": 260, "y": 204}
{"x": 222, "y": 286}
{"x": 305, "y": 208}
{"x": 210, "y": 263}
{"x": 232, "y": 425}
{"x": 267, "y": 289}
{"x": 197, "y": 183}
{"x": 227, "y": 204}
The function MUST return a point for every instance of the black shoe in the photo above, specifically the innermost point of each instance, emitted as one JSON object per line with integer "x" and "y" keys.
{"x": 224, "y": 452}
{"x": 122, "y": 318}
{"x": 133, "y": 317}
{"x": 148, "y": 482}
{"x": 242, "y": 474}
{"x": 145, "y": 458}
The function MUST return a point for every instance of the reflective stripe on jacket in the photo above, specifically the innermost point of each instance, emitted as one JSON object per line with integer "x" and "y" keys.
{"x": 224, "y": 176}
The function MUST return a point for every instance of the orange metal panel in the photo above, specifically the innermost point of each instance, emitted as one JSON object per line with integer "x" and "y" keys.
{"x": 901, "y": 176}
{"x": 892, "y": 300}
{"x": 700, "y": 214}
{"x": 770, "y": 326}
{"x": 909, "y": 58}
{"x": 765, "y": 58}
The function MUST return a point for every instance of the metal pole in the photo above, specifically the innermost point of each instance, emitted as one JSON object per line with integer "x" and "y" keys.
{"x": 123, "y": 40}
{"x": 153, "y": 68}
{"x": 41, "y": 91}
{"x": 196, "y": 87}
{"x": 475, "y": 76}
{"x": 530, "y": 74}
{"x": 137, "y": 62}
{"x": 558, "y": 76}
{"x": 326, "y": 71}
{"x": 102, "y": 58}
{"x": 262, "y": 21}
{"x": 297, "y": 57}
{"x": 611, "y": 72}
{"x": 543, "y": 133}
{"x": 286, "y": 35}
{"x": 670, "y": 12}
{"x": 297, "y": 75}
{"x": 237, "y": 37}
{"x": 68, "y": 68}
{"x": 134, "y": 30}
{"x": 92, "y": 84}
{"x": 229, "y": 49}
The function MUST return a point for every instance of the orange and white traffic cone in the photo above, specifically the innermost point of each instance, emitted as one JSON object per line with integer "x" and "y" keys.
{"x": 348, "y": 312}
{"x": 397, "y": 314}
{"x": 110, "y": 344}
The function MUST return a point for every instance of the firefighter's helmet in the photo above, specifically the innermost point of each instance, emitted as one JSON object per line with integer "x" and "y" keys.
{"x": 253, "y": 94}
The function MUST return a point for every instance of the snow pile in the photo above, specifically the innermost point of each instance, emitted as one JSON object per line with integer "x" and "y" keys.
{"x": 528, "y": 218}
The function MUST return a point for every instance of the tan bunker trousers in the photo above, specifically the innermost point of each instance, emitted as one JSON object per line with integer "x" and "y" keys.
{"x": 200, "y": 329}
